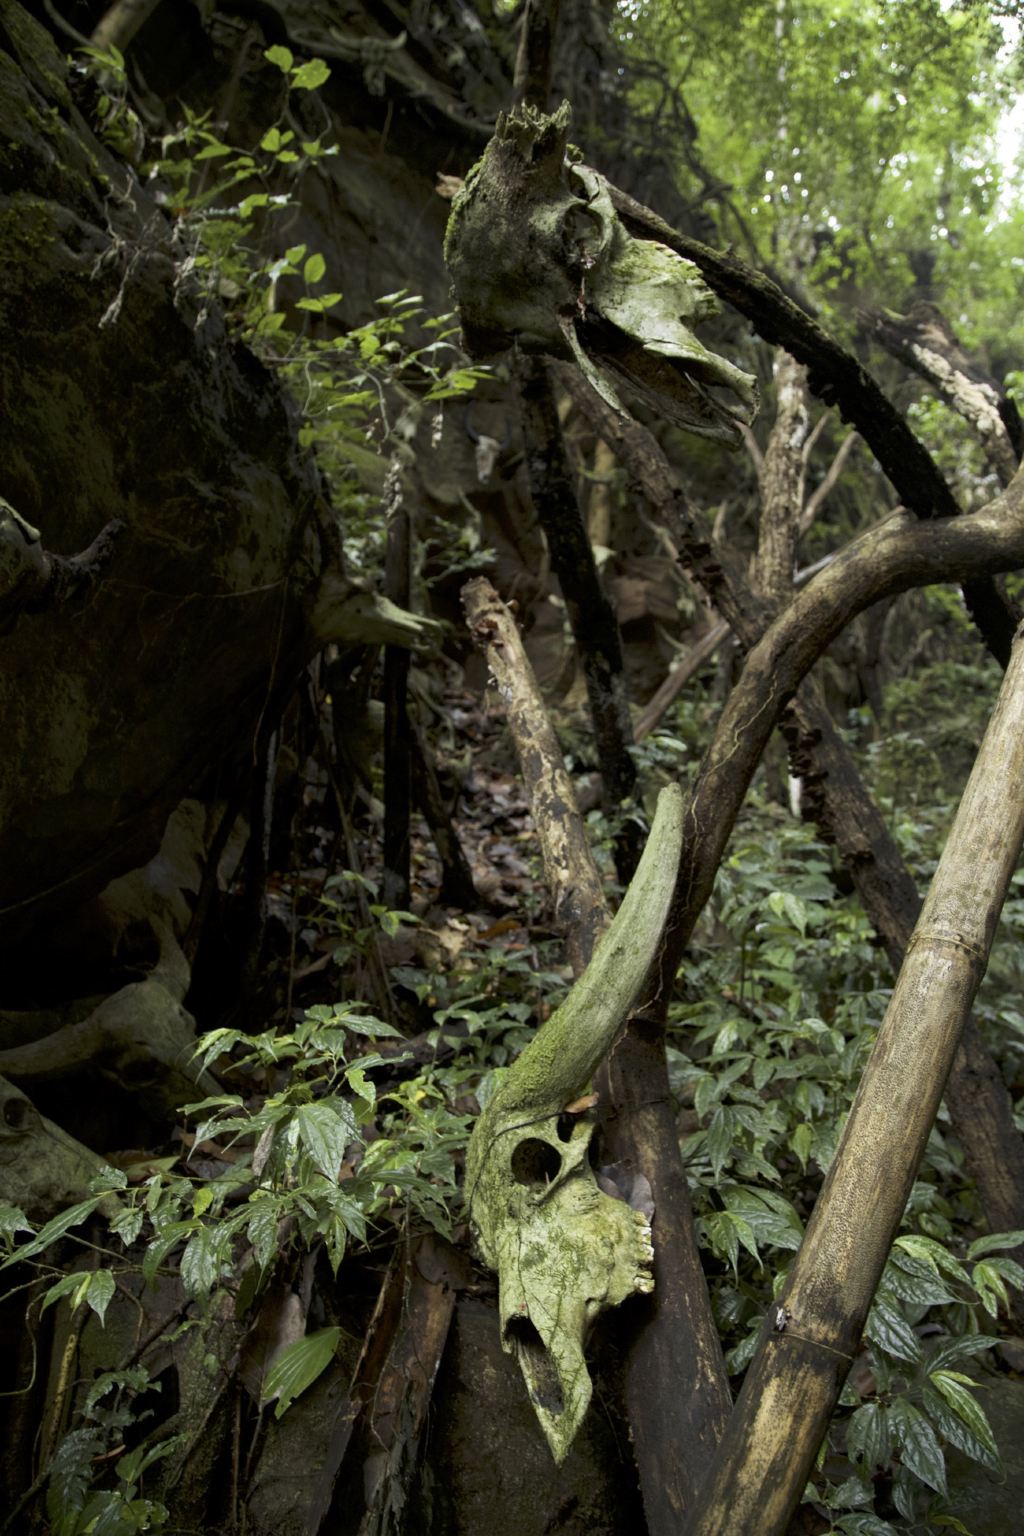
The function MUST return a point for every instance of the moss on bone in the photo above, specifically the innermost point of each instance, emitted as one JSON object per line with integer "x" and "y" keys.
{"x": 564, "y": 1251}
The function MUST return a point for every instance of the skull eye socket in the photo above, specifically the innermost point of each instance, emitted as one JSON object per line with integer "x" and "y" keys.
{"x": 582, "y": 233}
{"x": 535, "y": 1163}
{"x": 16, "y": 1114}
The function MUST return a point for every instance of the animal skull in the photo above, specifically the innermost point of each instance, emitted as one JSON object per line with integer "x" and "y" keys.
{"x": 565, "y": 1251}
{"x": 538, "y": 255}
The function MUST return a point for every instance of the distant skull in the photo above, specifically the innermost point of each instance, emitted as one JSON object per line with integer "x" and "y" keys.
{"x": 565, "y": 1251}
{"x": 538, "y": 255}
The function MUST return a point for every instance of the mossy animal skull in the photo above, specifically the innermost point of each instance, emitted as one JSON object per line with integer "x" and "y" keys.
{"x": 564, "y": 1250}
{"x": 538, "y": 255}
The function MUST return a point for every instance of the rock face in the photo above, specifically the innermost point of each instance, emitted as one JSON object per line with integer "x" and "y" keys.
{"x": 123, "y": 400}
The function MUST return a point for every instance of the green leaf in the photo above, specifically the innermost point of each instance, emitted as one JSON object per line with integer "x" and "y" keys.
{"x": 802, "y": 1141}
{"x": 213, "y": 151}
{"x": 70, "y": 1473}
{"x": 100, "y": 1291}
{"x": 311, "y": 75}
{"x": 326, "y": 1129}
{"x": 865, "y": 1525}
{"x": 990, "y": 1286}
{"x": 54, "y": 1229}
{"x": 887, "y": 1327}
{"x": 74, "y": 1285}
{"x": 254, "y": 200}
{"x": 918, "y": 1444}
{"x": 956, "y": 1389}
{"x": 204, "y": 1259}
{"x": 13, "y": 1220}
{"x": 271, "y": 140}
{"x": 282, "y": 57}
{"x": 297, "y": 1367}
{"x": 314, "y": 269}
{"x": 867, "y": 1437}
{"x": 993, "y": 1243}
{"x": 264, "y": 1216}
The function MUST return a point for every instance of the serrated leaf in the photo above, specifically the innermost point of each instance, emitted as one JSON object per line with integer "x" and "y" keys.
{"x": 918, "y": 1444}
{"x": 297, "y": 1367}
{"x": 326, "y": 1129}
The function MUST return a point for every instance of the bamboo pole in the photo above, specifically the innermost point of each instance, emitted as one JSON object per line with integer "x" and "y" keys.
{"x": 812, "y": 1334}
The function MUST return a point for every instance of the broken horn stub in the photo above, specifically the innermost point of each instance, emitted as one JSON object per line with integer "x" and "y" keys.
{"x": 539, "y": 258}
{"x": 566, "y": 1250}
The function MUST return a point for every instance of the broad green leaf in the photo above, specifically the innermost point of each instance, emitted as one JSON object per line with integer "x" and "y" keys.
{"x": 314, "y": 268}
{"x": 931, "y": 1253}
{"x": 282, "y": 57}
{"x": 956, "y": 1389}
{"x": 100, "y": 1291}
{"x": 204, "y": 1260}
{"x": 311, "y": 75}
{"x": 13, "y": 1220}
{"x": 949, "y": 1351}
{"x": 887, "y": 1327}
{"x": 264, "y": 1216}
{"x": 54, "y": 1229}
{"x": 74, "y": 1285}
{"x": 918, "y": 1444}
{"x": 867, "y": 1436}
{"x": 954, "y": 1431}
{"x": 801, "y": 1141}
{"x": 69, "y": 1475}
{"x": 326, "y": 1129}
{"x": 989, "y": 1284}
{"x": 864, "y": 1525}
{"x": 298, "y": 1367}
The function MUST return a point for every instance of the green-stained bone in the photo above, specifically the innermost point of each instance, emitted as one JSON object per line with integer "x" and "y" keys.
{"x": 564, "y": 1251}
{"x": 539, "y": 256}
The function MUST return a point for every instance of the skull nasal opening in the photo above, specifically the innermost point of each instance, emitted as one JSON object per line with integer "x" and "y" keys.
{"x": 538, "y": 1367}
{"x": 535, "y": 1162}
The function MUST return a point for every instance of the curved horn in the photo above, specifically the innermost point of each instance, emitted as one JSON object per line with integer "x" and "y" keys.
{"x": 567, "y": 1050}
